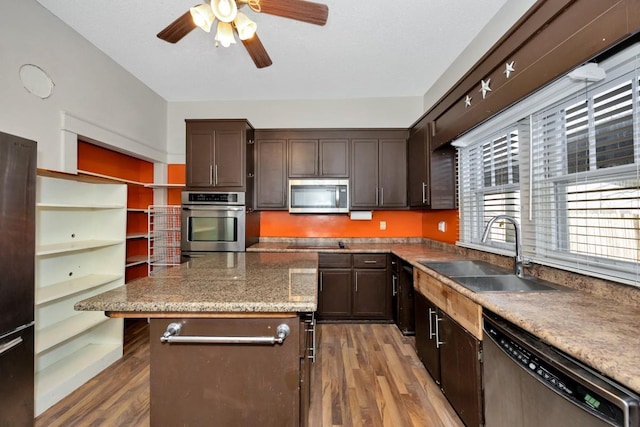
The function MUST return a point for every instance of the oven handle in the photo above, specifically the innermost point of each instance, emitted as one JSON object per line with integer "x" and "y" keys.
{"x": 172, "y": 333}
{"x": 212, "y": 208}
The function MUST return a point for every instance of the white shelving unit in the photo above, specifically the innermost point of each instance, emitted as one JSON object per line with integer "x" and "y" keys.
{"x": 164, "y": 237}
{"x": 80, "y": 252}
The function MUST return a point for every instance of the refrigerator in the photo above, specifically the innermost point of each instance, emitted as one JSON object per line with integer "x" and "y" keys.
{"x": 18, "y": 159}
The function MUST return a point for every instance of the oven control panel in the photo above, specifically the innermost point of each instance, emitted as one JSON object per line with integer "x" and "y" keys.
{"x": 213, "y": 198}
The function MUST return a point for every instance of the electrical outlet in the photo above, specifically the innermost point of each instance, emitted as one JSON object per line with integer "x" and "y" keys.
{"x": 383, "y": 225}
{"x": 442, "y": 226}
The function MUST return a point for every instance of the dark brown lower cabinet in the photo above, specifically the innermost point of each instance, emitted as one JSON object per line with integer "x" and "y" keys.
{"x": 426, "y": 343}
{"x": 198, "y": 384}
{"x": 354, "y": 287}
{"x": 452, "y": 357}
{"x": 403, "y": 295}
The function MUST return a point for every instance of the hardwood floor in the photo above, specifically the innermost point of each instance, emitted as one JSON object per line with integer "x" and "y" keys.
{"x": 364, "y": 375}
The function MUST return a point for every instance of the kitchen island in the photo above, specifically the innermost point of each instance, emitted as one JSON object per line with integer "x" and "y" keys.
{"x": 231, "y": 336}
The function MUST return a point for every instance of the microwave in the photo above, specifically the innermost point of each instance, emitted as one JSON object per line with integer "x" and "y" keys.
{"x": 318, "y": 195}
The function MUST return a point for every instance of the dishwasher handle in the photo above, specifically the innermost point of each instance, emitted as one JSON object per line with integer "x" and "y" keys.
{"x": 172, "y": 335}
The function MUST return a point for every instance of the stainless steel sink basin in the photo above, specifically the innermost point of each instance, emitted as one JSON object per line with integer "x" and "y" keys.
{"x": 480, "y": 276}
{"x": 465, "y": 268}
{"x": 506, "y": 283}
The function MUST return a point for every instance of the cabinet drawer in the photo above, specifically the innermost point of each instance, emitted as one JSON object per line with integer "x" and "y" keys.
{"x": 334, "y": 260}
{"x": 461, "y": 309}
{"x": 370, "y": 261}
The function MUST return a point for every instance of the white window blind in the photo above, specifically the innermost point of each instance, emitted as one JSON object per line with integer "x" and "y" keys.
{"x": 586, "y": 182}
{"x": 489, "y": 185}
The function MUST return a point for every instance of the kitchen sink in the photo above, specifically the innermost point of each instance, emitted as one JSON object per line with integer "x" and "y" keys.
{"x": 481, "y": 276}
{"x": 465, "y": 268}
{"x": 507, "y": 283}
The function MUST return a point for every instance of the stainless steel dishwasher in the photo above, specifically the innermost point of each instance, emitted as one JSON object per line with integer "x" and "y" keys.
{"x": 529, "y": 383}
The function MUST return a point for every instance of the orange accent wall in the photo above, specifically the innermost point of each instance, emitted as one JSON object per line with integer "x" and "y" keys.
{"x": 176, "y": 174}
{"x": 106, "y": 162}
{"x": 284, "y": 224}
{"x": 399, "y": 224}
{"x": 430, "y": 220}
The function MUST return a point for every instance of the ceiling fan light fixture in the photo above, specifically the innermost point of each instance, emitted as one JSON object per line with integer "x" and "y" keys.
{"x": 202, "y": 16}
{"x": 245, "y": 26}
{"x": 224, "y": 35}
{"x": 224, "y": 10}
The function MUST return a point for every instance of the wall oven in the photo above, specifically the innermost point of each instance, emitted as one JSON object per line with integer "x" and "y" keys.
{"x": 213, "y": 222}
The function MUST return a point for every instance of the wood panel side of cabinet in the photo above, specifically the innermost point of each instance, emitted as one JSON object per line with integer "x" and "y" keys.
{"x": 393, "y": 173}
{"x": 334, "y": 158}
{"x": 463, "y": 310}
{"x": 271, "y": 174}
{"x": 303, "y": 158}
{"x": 364, "y": 173}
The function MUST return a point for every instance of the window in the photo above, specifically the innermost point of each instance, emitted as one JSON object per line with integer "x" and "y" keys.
{"x": 490, "y": 185}
{"x": 566, "y": 165}
{"x": 586, "y": 187}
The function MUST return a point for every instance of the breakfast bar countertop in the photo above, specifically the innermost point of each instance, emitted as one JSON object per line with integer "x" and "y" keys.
{"x": 219, "y": 283}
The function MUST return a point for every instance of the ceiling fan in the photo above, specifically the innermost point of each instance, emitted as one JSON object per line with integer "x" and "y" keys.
{"x": 230, "y": 20}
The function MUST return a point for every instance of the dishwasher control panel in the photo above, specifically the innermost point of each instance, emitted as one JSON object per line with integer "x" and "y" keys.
{"x": 551, "y": 368}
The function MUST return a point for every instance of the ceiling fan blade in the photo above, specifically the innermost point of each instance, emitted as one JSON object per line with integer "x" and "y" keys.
{"x": 300, "y": 10}
{"x": 257, "y": 52}
{"x": 179, "y": 28}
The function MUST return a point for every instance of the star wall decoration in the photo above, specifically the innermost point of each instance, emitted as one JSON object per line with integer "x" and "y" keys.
{"x": 467, "y": 101}
{"x": 485, "y": 87}
{"x": 508, "y": 68}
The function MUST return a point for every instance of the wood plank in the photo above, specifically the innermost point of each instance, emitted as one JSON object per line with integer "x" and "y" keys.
{"x": 461, "y": 309}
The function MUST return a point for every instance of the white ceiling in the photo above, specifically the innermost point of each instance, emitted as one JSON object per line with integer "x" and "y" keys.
{"x": 368, "y": 48}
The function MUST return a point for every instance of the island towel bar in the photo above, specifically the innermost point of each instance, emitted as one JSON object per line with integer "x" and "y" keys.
{"x": 172, "y": 333}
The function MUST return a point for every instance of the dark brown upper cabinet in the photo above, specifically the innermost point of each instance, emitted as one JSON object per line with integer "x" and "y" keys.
{"x": 271, "y": 172}
{"x": 319, "y": 158}
{"x": 379, "y": 173}
{"x": 431, "y": 174}
{"x": 217, "y": 154}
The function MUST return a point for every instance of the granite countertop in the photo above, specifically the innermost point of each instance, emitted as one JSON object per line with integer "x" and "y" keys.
{"x": 600, "y": 332}
{"x": 219, "y": 283}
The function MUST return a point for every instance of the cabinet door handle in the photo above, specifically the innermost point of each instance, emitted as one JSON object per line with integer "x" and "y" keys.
{"x": 431, "y": 333}
{"x": 377, "y": 191}
{"x": 381, "y": 196}
{"x": 425, "y": 194}
{"x": 210, "y": 174}
{"x": 215, "y": 174}
{"x": 438, "y": 342}
{"x": 321, "y": 276}
{"x": 172, "y": 333}
{"x": 8, "y": 346}
{"x": 395, "y": 285}
{"x": 370, "y": 261}
{"x": 356, "y": 281}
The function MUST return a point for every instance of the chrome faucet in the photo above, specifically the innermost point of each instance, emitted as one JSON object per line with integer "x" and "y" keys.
{"x": 520, "y": 262}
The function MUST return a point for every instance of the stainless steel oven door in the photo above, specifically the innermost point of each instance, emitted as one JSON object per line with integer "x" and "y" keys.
{"x": 213, "y": 228}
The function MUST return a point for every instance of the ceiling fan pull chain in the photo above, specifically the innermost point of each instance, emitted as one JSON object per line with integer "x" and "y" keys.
{"x": 254, "y": 5}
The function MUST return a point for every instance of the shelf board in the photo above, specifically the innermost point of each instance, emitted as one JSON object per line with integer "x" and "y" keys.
{"x": 69, "y": 287}
{"x": 165, "y": 185}
{"x": 114, "y": 178}
{"x": 137, "y": 236}
{"x": 68, "y": 328}
{"x": 61, "y": 378}
{"x": 57, "y": 248}
{"x": 77, "y": 206}
{"x": 136, "y": 260}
